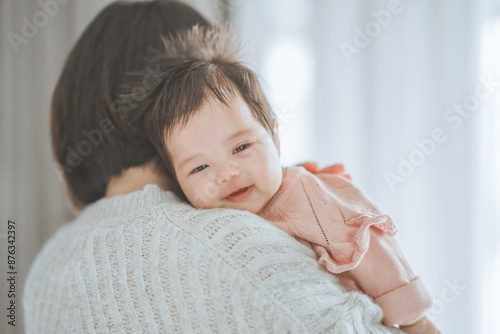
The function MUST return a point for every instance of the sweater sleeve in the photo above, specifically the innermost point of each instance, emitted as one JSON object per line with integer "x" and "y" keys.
{"x": 238, "y": 273}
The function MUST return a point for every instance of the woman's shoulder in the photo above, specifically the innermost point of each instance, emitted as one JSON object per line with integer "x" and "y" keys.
{"x": 174, "y": 246}
{"x": 215, "y": 224}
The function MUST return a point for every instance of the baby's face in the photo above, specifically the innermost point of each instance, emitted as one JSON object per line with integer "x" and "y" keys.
{"x": 223, "y": 157}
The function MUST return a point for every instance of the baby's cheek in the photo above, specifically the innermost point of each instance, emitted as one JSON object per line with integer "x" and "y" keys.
{"x": 201, "y": 195}
{"x": 189, "y": 192}
{"x": 269, "y": 184}
{"x": 275, "y": 178}
{"x": 274, "y": 184}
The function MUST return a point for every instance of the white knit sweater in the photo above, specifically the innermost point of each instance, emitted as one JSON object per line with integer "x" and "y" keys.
{"x": 146, "y": 262}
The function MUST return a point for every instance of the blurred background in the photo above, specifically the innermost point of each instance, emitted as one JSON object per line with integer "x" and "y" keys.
{"x": 406, "y": 94}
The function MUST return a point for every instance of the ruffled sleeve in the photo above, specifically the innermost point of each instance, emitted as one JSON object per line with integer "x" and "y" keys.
{"x": 351, "y": 235}
{"x": 330, "y": 213}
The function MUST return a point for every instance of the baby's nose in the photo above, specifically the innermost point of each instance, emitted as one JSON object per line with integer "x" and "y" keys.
{"x": 231, "y": 170}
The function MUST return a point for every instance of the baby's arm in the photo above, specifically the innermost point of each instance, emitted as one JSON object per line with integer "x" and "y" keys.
{"x": 385, "y": 274}
{"x": 337, "y": 169}
{"x": 423, "y": 326}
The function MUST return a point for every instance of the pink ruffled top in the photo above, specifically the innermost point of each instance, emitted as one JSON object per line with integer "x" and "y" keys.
{"x": 327, "y": 213}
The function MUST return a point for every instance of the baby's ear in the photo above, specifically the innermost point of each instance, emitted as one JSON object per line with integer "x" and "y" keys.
{"x": 276, "y": 137}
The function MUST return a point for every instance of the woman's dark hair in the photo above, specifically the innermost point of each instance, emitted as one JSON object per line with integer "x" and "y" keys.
{"x": 93, "y": 138}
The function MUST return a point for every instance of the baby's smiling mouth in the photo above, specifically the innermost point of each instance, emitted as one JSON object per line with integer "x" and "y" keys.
{"x": 240, "y": 194}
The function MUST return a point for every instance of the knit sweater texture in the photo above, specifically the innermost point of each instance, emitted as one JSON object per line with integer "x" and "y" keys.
{"x": 145, "y": 262}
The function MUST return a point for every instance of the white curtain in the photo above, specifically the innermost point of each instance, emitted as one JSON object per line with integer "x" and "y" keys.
{"x": 395, "y": 90}
{"x": 487, "y": 188}
{"x": 369, "y": 106}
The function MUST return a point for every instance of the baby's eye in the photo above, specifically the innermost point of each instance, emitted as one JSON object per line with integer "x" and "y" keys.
{"x": 199, "y": 169}
{"x": 241, "y": 148}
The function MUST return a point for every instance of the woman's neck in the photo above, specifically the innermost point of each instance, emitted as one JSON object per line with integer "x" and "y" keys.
{"x": 135, "y": 178}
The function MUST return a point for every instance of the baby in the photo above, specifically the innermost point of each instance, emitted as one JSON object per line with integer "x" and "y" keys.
{"x": 218, "y": 137}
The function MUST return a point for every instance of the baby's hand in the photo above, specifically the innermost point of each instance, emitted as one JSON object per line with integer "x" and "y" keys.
{"x": 337, "y": 169}
{"x": 423, "y": 326}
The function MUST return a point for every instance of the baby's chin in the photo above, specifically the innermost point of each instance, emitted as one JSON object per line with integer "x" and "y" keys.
{"x": 250, "y": 207}
{"x": 253, "y": 204}
{"x": 225, "y": 204}
{"x": 229, "y": 205}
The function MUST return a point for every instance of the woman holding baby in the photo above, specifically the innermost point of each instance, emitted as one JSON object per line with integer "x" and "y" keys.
{"x": 139, "y": 258}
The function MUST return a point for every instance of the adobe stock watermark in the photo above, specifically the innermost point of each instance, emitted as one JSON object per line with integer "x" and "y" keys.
{"x": 125, "y": 102}
{"x": 454, "y": 118}
{"x": 94, "y": 137}
{"x": 363, "y": 37}
{"x": 30, "y": 27}
{"x": 74, "y": 156}
{"x": 219, "y": 178}
{"x": 284, "y": 117}
{"x": 447, "y": 296}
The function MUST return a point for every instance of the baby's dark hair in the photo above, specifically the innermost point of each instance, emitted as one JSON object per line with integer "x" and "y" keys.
{"x": 184, "y": 86}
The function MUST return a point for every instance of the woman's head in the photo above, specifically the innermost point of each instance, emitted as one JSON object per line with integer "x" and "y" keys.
{"x": 93, "y": 136}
